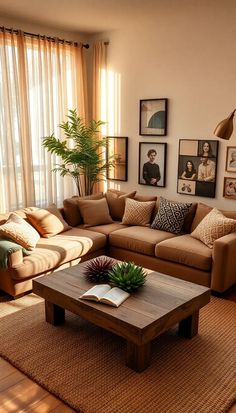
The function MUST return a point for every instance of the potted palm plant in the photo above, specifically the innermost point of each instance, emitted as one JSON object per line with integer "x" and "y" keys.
{"x": 82, "y": 152}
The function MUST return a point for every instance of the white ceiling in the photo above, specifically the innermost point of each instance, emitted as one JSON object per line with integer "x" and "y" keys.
{"x": 89, "y": 16}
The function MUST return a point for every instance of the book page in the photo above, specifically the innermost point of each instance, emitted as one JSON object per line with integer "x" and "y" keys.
{"x": 96, "y": 293}
{"x": 115, "y": 297}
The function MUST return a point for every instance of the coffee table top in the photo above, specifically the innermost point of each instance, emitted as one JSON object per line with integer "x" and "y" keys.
{"x": 156, "y": 306}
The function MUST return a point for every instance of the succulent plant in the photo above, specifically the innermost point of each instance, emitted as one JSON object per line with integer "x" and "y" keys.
{"x": 97, "y": 270}
{"x": 127, "y": 276}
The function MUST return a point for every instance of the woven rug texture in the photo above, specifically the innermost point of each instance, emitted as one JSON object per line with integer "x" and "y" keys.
{"x": 85, "y": 366}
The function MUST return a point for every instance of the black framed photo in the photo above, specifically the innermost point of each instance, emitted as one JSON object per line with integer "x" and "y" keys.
{"x": 153, "y": 117}
{"x": 197, "y": 167}
{"x": 231, "y": 159}
{"x": 229, "y": 190}
{"x": 152, "y": 164}
{"x": 117, "y": 152}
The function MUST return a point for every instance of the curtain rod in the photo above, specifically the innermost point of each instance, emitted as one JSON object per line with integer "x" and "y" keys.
{"x": 49, "y": 38}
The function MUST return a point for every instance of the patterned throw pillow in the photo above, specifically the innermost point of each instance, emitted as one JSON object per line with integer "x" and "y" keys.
{"x": 19, "y": 231}
{"x": 170, "y": 216}
{"x": 137, "y": 213}
{"x": 215, "y": 225}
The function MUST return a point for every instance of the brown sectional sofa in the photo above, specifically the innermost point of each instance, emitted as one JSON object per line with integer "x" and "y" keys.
{"x": 179, "y": 255}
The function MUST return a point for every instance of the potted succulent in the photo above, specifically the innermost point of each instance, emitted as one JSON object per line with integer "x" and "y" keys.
{"x": 82, "y": 152}
{"x": 127, "y": 276}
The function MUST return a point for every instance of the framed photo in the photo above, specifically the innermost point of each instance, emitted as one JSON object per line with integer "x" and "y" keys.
{"x": 153, "y": 117}
{"x": 152, "y": 164}
{"x": 197, "y": 167}
{"x": 229, "y": 190}
{"x": 117, "y": 152}
{"x": 231, "y": 159}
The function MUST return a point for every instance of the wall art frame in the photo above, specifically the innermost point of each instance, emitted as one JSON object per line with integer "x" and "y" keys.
{"x": 117, "y": 152}
{"x": 152, "y": 164}
{"x": 197, "y": 167}
{"x": 229, "y": 188}
{"x": 230, "y": 165}
{"x": 153, "y": 117}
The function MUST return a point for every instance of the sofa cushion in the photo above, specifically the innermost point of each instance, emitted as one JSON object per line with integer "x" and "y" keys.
{"x": 215, "y": 225}
{"x": 203, "y": 209}
{"x": 137, "y": 213}
{"x": 94, "y": 212}
{"x": 116, "y": 202}
{"x": 52, "y": 252}
{"x": 139, "y": 239}
{"x": 185, "y": 250}
{"x": 48, "y": 222}
{"x": 107, "y": 228}
{"x": 19, "y": 231}
{"x": 71, "y": 208}
{"x": 170, "y": 216}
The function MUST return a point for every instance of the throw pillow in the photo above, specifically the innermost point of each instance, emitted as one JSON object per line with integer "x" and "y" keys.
{"x": 71, "y": 208}
{"x": 94, "y": 212}
{"x": 116, "y": 203}
{"x": 137, "y": 213}
{"x": 215, "y": 225}
{"x": 48, "y": 222}
{"x": 18, "y": 230}
{"x": 170, "y": 216}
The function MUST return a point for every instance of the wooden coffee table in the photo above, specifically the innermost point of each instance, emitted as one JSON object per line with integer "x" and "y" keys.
{"x": 150, "y": 311}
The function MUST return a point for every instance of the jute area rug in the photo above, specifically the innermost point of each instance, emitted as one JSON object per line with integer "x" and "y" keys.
{"x": 85, "y": 366}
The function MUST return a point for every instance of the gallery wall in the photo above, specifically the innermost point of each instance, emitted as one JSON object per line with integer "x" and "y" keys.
{"x": 184, "y": 51}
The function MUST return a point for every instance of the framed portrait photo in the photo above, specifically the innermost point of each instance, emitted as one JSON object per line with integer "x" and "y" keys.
{"x": 197, "y": 167}
{"x": 152, "y": 164}
{"x": 231, "y": 159}
{"x": 153, "y": 117}
{"x": 229, "y": 190}
{"x": 117, "y": 154}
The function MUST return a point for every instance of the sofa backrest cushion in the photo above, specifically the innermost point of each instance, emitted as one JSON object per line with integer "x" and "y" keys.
{"x": 116, "y": 202}
{"x": 214, "y": 226}
{"x": 203, "y": 209}
{"x": 94, "y": 212}
{"x": 19, "y": 231}
{"x": 48, "y": 222}
{"x": 71, "y": 208}
{"x": 137, "y": 213}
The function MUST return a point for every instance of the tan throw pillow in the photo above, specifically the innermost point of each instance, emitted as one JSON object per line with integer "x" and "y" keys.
{"x": 94, "y": 212}
{"x": 18, "y": 230}
{"x": 138, "y": 213}
{"x": 48, "y": 222}
{"x": 71, "y": 208}
{"x": 215, "y": 225}
{"x": 116, "y": 203}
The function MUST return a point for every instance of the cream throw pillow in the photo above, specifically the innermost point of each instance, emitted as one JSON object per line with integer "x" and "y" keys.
{"x": 94, "y": 212}
{"x": 215, "y": 225}
{"x": 137, "y": 213}
{"x": 48, "y": 222}
{"x": 19, "y": 231}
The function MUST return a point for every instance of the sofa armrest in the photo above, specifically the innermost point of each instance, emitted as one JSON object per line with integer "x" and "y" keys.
{"x": 15, "y": 259}
{"x": 223, "y": 273}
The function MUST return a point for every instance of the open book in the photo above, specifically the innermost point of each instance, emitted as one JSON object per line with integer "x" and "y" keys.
{"x": 105, "y": 294}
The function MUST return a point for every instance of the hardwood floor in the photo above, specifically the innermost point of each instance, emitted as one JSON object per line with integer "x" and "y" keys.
{"x": 19, "y": 394}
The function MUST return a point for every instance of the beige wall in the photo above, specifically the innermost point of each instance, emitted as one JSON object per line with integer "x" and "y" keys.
{"x": 185, "y": 52}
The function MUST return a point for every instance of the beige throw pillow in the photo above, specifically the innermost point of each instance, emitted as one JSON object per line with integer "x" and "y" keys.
{"x": 215, "y": 225}
{"x": 48, "y": 222}
{"x": 138, "y": 213}
{"x": 19, "y": 231}
{"x": 94, "y": 212}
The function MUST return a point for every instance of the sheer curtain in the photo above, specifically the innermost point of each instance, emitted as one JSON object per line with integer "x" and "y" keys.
{"x": 40, "y": 80}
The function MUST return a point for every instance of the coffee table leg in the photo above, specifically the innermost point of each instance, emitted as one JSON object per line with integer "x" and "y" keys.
{"x": 189, "y": 327}
{"x": 138, "y": 357}
{"x": 54, "y": 314}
